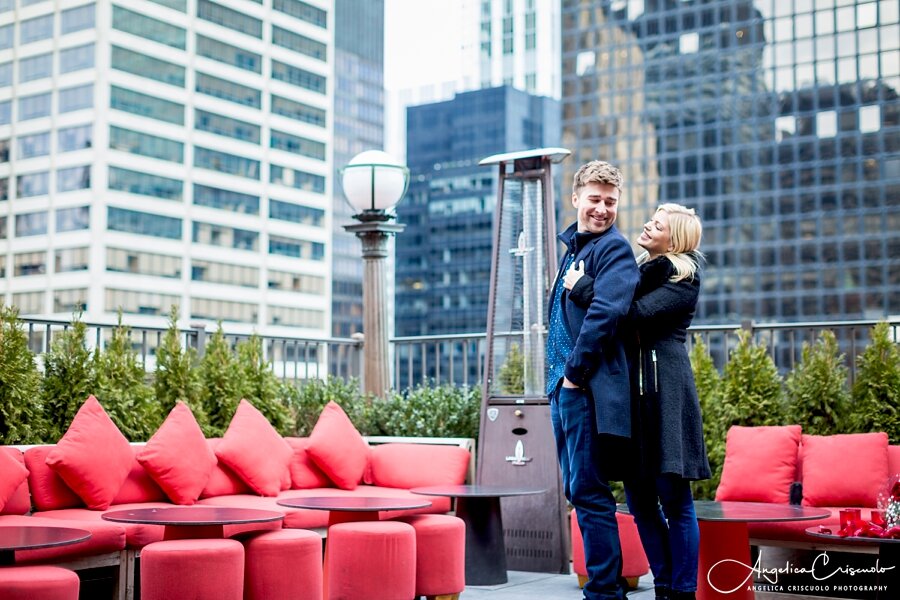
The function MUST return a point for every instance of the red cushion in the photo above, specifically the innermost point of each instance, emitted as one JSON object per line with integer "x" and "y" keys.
{"x": 413, "y": 465}
{"x": 93, "y": 457}
{"x": 254, "y": 451}
{"x": 893, "y": 458}
{"x": 304, "y": 472}
{"x": 48, "y": 490}
{"x": 844, "y": 469}
{"x": 12, "y": 475}
{"x": 222, "y": 480}
{"x": 337, "y": 447}
{"x": 760, "y": 464}
{"x": 138, "y": 486}
{"x": 177, "y": 457}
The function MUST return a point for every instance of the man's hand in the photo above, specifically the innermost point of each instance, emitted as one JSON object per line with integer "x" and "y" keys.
{"x": 573, "y": 275}
{"x": 568, "y": 384}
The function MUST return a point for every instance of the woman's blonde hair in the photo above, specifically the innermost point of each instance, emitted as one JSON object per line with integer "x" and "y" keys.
{"x": 685, "y": 232}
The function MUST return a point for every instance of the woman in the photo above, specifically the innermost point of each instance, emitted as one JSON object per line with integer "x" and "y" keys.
{"x": 669, "y": 426}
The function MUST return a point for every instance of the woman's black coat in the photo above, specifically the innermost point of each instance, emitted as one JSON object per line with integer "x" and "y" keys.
{"x": 670, "y": 425}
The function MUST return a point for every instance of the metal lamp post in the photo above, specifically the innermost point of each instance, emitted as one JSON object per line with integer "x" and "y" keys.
{"x": 374, "y": 182}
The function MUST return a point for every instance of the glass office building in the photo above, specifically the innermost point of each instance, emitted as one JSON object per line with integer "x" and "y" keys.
{"x": 167, "y": 152}
{"x": 779, "y": 121}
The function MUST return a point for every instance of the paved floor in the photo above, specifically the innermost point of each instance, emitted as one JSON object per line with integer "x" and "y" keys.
{"x": 544, "y": 586}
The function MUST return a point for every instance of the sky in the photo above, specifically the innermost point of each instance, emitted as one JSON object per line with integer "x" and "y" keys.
{"x": 421, "y": 42}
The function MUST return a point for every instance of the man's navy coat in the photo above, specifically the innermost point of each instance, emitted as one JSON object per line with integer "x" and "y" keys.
{"x": 598, "y": 360}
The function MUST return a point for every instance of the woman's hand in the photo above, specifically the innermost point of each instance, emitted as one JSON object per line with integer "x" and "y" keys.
{"x": 574, "y": 273}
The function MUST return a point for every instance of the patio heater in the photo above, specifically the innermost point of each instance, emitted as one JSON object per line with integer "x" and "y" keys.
{"x": 516, "y": 441}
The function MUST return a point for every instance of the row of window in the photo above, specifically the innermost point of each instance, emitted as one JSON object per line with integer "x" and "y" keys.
{"x": 29, "y": 185}
{"x": 40, "y": 66}
{"x": 42, "y": 27}
{"x": 35, "y": 106}
{"x": 68, "y": 139}
{"x": 64, "y": 301}
{"x": 35, "y": 223}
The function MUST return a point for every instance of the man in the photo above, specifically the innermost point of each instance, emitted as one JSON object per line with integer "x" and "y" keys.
{"x": 587, "y": 374}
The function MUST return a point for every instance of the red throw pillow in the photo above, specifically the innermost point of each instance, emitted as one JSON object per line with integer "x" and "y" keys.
{"x": 222, "y": 480}
{"x": 337, "y": 447}
{"x": 413, "y": 465}
{"x": 139, "y": 486}
{"x": 760, "y": 464}
{"x": 845, "y": 469}
{"x": 304, "y": 472}
{"x": 12, "y": 474}
{"x": 254, "y": 451}
{"x": 48, "y": 490}
{"x": 177, "y": 457}
{"x": 93, "y": 457}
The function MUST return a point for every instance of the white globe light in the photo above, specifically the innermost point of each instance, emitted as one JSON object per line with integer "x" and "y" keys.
{"x": 374, "y": 180}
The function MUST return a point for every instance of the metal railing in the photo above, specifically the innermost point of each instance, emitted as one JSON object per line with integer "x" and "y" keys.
{"x": 457, "y": 359}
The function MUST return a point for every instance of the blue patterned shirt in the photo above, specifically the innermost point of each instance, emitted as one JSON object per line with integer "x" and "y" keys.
{"x": 559, "y": 342}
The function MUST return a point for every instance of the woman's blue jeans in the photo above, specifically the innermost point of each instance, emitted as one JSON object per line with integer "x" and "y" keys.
{"x": 663, "y": 510}
{"x": 587, "y": 488}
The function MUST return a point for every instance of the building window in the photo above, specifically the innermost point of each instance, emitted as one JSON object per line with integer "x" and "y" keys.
{"x": 29, "y": 303}
{"x": 226, "y": 90}
{"x": 71, "y": 259}
{"x": 73, "y": 178}
{"x": 296, "y": 317}
{"x": 146, "y": 106}
{"x": 33, "y": 184}
{"x": 36, "y": 67}
{"x": 147, "y": 27}
{"x": 6, "y": 74}
{"x": 29, "y": 263}
{"x": 69, "y": 301}
{"x": 297, "y": 111}
{"x": 226, "y": 126}
{"x": 29, "y": 224}
{"x": 204, "y": 308}
{"x": 179, "y": 5}
{"x": 303, "y": 11}
{"x": 145, "y": 144}
{"x": 34, "y": 107}
{"x": 297, "y": 76}
{"x": 140, "y": 303}
{"x": 226, "y": 163}
{"x": 141, "y": 223}
{"x": 296, "y": 282}
{"x": 297, "y": 145}
{"x": 76, "y": 19}
{"x": 226, "y": 17}
{"x": 37, "y": 144}
{"x": 6, "y": 36}
{"x": 205, "y": 195}
{"x": 4, "y": 189}
{"x": 229, "y": 274}
{"x": 298, "y": 43}
{"x": 155, "y": 186}
{"x": 73, "y": 219}
{"x": 297, "y": 179}
{"x": 227, "y": 237}
{"x": 120, "y": 260}
{"x": 228, "y": 54}
{"x": 76, "y": 59}
{"x": 285, "y": 246}
{"x": 2, "y": 232}
{"x": 295, "y": 213}
{"x": 38, "y": 28}
{"x": 5, "y": 112}
{"x": 76, "y": 98}
{"x": 75, "y": 138}
{"x": 144, "y": 66}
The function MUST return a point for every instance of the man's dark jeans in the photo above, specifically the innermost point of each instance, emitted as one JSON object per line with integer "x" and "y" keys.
{"x": 587, "y": 488}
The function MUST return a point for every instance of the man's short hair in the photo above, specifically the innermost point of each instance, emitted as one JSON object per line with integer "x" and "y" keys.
{"x": 597, "y": 171}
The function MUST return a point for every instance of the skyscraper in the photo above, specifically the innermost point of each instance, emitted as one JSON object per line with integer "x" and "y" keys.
{"x": 444, "y": 255}
{"x": 358, "y": 126}
{"x": 778, "y": 121}
{"x": 168, "y": 152}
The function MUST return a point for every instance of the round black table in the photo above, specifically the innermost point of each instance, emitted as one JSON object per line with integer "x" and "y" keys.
{"x": 887, "y": 575}
{"x": 479, "y": 507}
{"x": 28, "y": 537}
{"x": 353, "y": 508}
{"x": 192, "y": 522}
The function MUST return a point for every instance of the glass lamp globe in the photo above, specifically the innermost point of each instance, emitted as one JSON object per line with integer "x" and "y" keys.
{"x": 374, "y": 181}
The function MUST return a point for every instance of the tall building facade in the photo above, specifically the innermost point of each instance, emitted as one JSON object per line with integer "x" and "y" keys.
{"x": 444, "y": 255}
{"x": 165, "y": 153}
{"x": 778, "y": 121}
{"x": 512, "y": 42}
{"x": 358, "y": 126}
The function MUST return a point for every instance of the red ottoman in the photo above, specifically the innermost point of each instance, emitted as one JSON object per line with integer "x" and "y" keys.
{"x": 370, "y": 560}
{"x": 200, "y": 569}
{"x": 440, "y": 555}
{"x": 38, "y": 583}
{"x": 634, "y": 561}
{"x": 283, "y": 565}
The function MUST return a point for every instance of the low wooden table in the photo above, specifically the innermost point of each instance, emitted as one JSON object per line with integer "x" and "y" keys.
{"x": 479, "y": 507}
{"x": 887, "y": 575}
{"x": 24, "y": 537}
{"x": 343, "y": 509}
{"x": 191, "y": 522}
